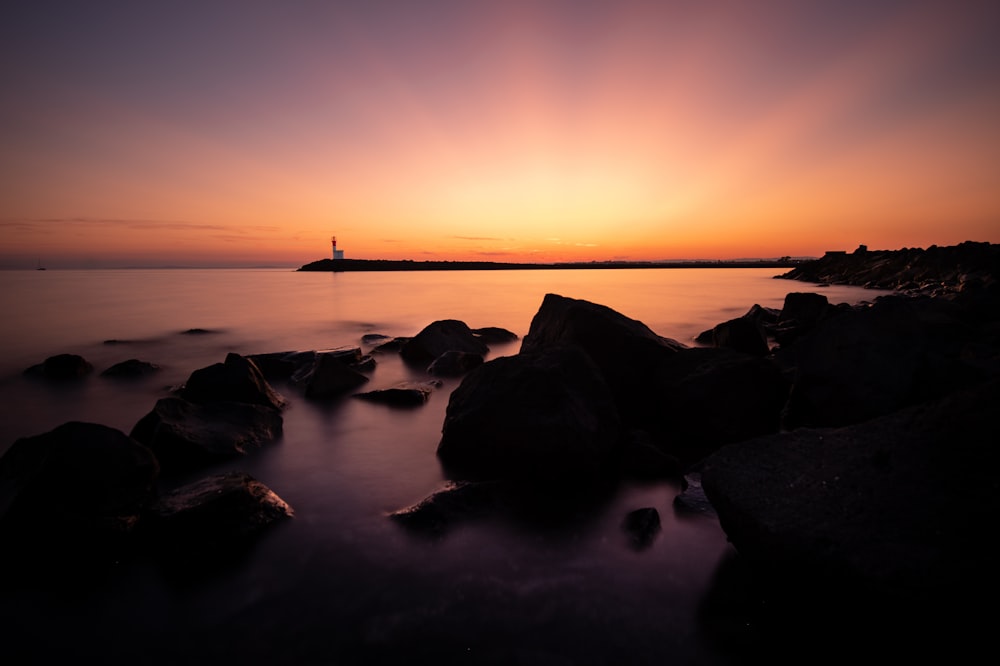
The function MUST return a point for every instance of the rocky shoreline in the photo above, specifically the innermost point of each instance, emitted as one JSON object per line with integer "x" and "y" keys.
{"x": 848, "y": 452}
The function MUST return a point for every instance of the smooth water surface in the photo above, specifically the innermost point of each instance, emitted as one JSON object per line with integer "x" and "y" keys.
{"x": 341, "y": 583}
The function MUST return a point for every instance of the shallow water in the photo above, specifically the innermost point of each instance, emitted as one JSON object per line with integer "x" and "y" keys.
{"x": 340, "y": 583}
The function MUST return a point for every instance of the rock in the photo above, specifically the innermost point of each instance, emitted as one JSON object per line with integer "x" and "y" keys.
{"x": 454, "y": 363}
{"x": 494, "y": 335}
{"x": 375, "y": 339}
{"x": 439, "y": 337}
{"x": 407, "y": 394}
{"x": 642, "y": 526}
{"x": 186, "y": 435}
{"x": 641, "y": 458}
{"x": 78, "y": 488}
{"x": 392, "y": 346}
{"x": 873, "y": 360}
{"x": 237, "y": 380}
{"x": 692, "y": 499}
{"x": 893, "y": 510}
{"x": 742, "y": 334}
{"x": 132, "y": 368}
{"x": 281, "y": 365}
{"x": 62, "y": 367}
{"x": 450, "y": 505}
{"x": 545, "y": 416}
{"x": 220, "y": 511}
{"x": 707, "y": 397}
{"x": 328, "y": 377}
{"x": 628, "y": 354}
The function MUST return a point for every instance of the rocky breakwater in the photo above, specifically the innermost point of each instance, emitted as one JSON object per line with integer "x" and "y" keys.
{"x": 849, "y": 452}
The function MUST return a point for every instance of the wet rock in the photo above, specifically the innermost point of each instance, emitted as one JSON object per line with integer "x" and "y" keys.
{"x": 692, "y": 498}
{"x": 186, "y": 435}
{"x": 891, "y": 509}
{"x": 642, "y": 526}
{"x": 81, "y": 486}
{"x": 628, "y": 354}
{"x": 439, "y": 337}
{"x": 62, "y": 367}
{"x": 238, "y": 379}
{"x": 742, "y": 334}
{"x": 494, "y": 335}
{"x": 220, "y": 511}
{"x": 547, "y": 416}
{"x": 328, "y": 376}
{"x": 451, "y": 505}
{"x": 407, "y": 394}
{"x": 454, "y": 363}
{"x": 130, "y": 369}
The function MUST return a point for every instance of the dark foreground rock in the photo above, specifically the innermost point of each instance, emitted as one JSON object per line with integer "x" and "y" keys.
{"x": 204, "y": 524}
{"x": 185, "y": 435}
{"x": 61, "y": 367}
{"x": 439, "y": 337}
{"x": 895, "y": 510}
{"x": 238, "y": 379}
{"x": 79, "y": 488}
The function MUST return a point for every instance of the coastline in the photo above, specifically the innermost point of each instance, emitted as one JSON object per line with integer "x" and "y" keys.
{"x": 356, "y": 265}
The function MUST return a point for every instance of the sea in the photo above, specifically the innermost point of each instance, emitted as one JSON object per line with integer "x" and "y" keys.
{"x": 341, "y": 583}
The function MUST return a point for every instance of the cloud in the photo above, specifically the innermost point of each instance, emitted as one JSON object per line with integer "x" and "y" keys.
{"x": 480, "y": 238}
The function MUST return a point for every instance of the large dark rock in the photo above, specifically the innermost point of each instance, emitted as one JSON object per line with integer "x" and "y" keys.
{"x": 406, "y": 394}
{"x": 238, "y": 379}
{"x": 80, "y": 487}
{"x": 219, "y": 512}
{"x": 494, "y": 335}
{"x": 450, "y": 506}
{"x": 132, "y": 368}
{"x": 708, "y": 397}
{"x": 454, "y": 363}
{"x": 545, "y": 416}
{"x": 895, "y": 509}
{"x": 62, "y": 367}
{"x": 186, "y": 435}
{"x": 330, "y": 375}
{"x": 628, "y": 354}
{"x": 439, "y": 337}
{"x": 872, "y": 360}
{"x": 743, "y": 334}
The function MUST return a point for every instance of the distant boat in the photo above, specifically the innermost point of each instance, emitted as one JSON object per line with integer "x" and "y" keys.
{"x": 40, "y": 267}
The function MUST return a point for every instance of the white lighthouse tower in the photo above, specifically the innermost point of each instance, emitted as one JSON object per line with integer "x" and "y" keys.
{"x": 337, "y": 254}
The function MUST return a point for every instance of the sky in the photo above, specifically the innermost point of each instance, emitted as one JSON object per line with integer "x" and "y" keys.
{"x": 210, "y": 133}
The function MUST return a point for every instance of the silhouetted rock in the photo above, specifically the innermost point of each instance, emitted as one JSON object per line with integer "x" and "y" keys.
{"x": 218, "y": 512}
{"x": 642, "y": 526}
{"x": 494, "y": 335}
{"x": 62, "y": 367}
{"x": 237, "y": 380}
{"x": 130, "y": 369}
{"x": 892, "y": 509}
{"x": 741, "y": 334}
{"x": 407, "y": 394}
{"x": 546, "y": 416}
{"x": 328, "y": 376}
{"x": 451, "y": 505}
{"x": 74, "y": 492}
{"x": 628, "y": 354}
{"x": 186, "y": 435}
{"x": 439, "y": 337}
{"x": 454, "y": 363}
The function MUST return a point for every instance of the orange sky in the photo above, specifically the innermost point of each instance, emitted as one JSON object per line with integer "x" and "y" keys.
{"x": 248, "y": 133}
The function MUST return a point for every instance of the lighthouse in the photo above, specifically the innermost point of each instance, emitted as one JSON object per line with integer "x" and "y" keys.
{"x": 337, "y": 254}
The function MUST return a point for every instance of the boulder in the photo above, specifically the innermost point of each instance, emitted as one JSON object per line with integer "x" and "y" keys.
{"x": 707, "y": 397}
{"x": 62, "y": 367}
{"x": 81, "y": 486}
{"x": 328, "y": 376}
{"x": 452, "y": 504}
{"x": 407, "y": 394}
{"x": 439, "y": 337}
{"x": 897, "y": 509}
{"x": 494, "y": 335}
{"x": 875, "y": 359}
{"x": 130, "y": 369}
{"x": 742, "y": 334}
{"x": 544, "y": 416}
{"x": 642, "y": 526}
{"x": 454, "y": 363}
{"x": 218, "y": 512}
{"x": 238, "y": 379}
{"x": 628, "y": 354}
{"x": 186, "y": 435}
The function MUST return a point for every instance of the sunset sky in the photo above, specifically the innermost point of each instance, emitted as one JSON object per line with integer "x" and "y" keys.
{"x": 211, "y": 133}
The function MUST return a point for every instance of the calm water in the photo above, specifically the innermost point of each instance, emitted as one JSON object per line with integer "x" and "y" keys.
{"x": 340, "y": 583}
